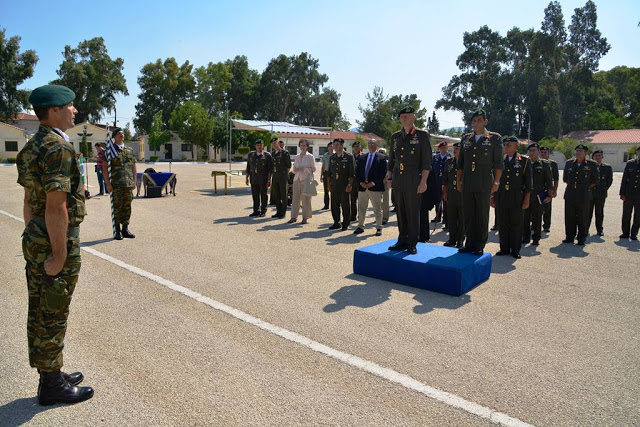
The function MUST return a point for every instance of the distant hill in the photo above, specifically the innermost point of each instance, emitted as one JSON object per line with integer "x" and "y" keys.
{"x": 355, "y": 129}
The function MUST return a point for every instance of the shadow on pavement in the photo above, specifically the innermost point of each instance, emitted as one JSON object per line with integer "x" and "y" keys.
{"x": 242, "y": 220}
{"x": 231, "y": 191}
{"x": 567, "y": 251}
{"x": 96, "y": 242}
{"x": 20, "y": 411}
{"x": 375, "y": 292}
{"x": 631, "y": 245}
{"x": 503, "y": 264}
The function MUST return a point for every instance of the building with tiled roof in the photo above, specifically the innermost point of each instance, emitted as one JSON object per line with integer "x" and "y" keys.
{"x": 12, "y": 139}
{"x": 615, "y": 144}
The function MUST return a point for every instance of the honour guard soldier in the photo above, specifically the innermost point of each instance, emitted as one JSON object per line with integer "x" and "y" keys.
{"x": 409, "y": 166}
{"x": 540, "y": 195}
{"x": 580, "y": 175}
{"x": 512, "y": 198}
{"x": 439, "y": 170}
{"x": 259, "y": 169}
{"x": 630, "y": 195}
{"x": 341, "y": 178}
{"x": 122, "y": 181}
{"x": 479, "y": 171}
{"x": 555, "y": 176}
{"x": 53, "y": 210}
{"x": 599, "y": 192}
{"x": 281, "y": 167}
{"x": 453, "y": 198}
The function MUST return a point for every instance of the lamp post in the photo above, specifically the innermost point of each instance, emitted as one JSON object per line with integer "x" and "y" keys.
{"x": 85, "y": 150}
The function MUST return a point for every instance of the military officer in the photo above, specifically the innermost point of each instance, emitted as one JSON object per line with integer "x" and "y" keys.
{"x": 281, "y": 167}
{"x": 453, "y": 198}
{"x": 121, "y": 183}
{"x": 259, "y": 169}
{"x": 409, "y": 166}
{"x": 341, "y": 177}
{"x": 53, "y": 210}
{"x": 540, "y": 195}
{"x": 580, "y": 175}
{"x": 599, "y": 192}
{"x": 324, "y": 174}
{"x": 555, "y": 176}
{"x": 512, "y": 198}
{"x": 356, "y": 148}
{"x": 439, "y": 169}
{"x": 630, "y": 195}
{"x": 479, "y": 171}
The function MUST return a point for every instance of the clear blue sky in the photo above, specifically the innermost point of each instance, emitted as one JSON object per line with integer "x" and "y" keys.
{"x": 403, "y": 47}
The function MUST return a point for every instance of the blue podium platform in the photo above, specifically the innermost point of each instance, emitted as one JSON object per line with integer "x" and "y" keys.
{"x": 435, "y": 268}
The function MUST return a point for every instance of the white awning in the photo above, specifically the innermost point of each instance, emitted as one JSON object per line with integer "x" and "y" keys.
{"x": 275, "y": 127}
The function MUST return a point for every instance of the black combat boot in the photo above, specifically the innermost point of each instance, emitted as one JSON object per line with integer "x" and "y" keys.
{"x": 126, "y": 233}
{"x": 54, "y": 389}
{"x": 73, "y": 378}
{"x": 118, "y": 235}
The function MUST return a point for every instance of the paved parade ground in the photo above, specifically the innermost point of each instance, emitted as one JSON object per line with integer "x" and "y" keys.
{"x": 209, "y": 317}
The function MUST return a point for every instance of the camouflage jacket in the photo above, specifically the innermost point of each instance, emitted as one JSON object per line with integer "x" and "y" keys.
{"x": 48, "y": 163}
{"x": 122, "y": 169}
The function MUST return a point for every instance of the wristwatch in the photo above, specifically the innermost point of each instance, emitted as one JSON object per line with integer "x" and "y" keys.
{"x": 496, "y": 182}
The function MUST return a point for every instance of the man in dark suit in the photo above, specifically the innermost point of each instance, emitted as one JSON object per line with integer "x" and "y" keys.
{"x": 599, "y": 192}
{"x": 371, "y": 169}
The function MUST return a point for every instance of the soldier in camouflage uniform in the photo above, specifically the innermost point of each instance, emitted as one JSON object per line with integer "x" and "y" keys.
{"x": 53, "y": 210}
{"x": 121, "y": 182}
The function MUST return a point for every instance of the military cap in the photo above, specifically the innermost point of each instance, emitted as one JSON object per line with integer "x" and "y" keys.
{"x": 273, "y": 139}
{"x": 479, "y": 112}
{"x": 340, "y": 140}
{"x": 544, "y": 148}
{"x": 51, "y": 96}
{"x": 115, "y": 131}
{"x": 258, "y": 141}
{"x": 442, "y": 144}
{"x": 510, "y": 139}
{"x": 533, "y": 145}
{"x": 582, "y": 147}
{"x": 598, "y": 152}
{"x": 407, "y": 109}
{"x": 456, "y": 144}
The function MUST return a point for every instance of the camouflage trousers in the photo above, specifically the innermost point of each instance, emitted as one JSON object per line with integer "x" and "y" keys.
{"x": 49, "y": 297}
{"x": 122, "y": 198}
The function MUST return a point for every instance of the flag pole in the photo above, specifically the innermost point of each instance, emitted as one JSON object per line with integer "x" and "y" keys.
{"x": 108, "y": 156}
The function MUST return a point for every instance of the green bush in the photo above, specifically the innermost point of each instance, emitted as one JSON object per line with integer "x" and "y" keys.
{"x": 0, "y": 159}
{"x": 11, "y": 159}
{"x": 237, "y": 158}
{"x": 153, "y": 158}
{"x": 244, "y": 150}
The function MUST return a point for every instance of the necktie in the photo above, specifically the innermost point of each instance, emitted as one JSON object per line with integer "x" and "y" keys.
{"x": 368, "y": 166}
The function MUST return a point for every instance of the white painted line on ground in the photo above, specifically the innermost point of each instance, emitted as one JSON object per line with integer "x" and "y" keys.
{"x": 350, "y": 359}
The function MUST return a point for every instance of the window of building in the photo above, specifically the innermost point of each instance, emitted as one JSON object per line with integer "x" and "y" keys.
{"x": 186, "y": 147}
{"x": 11, "y": 146}
{"x": 322, "y": 150}
{"x": 292, "y": 150}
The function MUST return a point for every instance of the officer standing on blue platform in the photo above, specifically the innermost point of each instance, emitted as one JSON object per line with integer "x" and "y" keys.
{"x": 580, "y": 175}
{"x": 408, "y": 169}
{"x": 512, "y": 198}
{"x": 479, "y": 172}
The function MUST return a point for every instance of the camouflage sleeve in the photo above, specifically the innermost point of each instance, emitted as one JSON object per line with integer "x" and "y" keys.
{"x": 22, "y": 170}
{"x": 57, "y": 166}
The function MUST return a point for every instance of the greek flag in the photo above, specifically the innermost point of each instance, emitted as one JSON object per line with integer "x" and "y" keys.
{"x": 110, "y": 151}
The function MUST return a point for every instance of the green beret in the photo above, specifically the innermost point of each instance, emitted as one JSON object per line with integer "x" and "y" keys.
{"x": 115, "y": 131}
{"x": 479, "y": 112}
{"x": 510, "y": 139}
{"x": 456, "y": 144}
{"x": 259, "y": 141}
{"x": 51, "y": 96}
{"x": 598, "y": 152}
{"x": 533, "y": 145}
{"x": 407, "y": 109}
{"x": 582, "y": 147}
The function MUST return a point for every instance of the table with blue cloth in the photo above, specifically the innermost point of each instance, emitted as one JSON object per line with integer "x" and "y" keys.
{"x": 166, "y": 180}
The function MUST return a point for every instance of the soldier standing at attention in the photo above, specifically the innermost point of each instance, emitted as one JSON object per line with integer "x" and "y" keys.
{"x": 357, "y": 152}
{"x": 540, "y": 195}
{"x": 409, "y": 166}
{"x": 439, "y": 169}
{"x": 259, "y": 168}
{"x": 555, "y": 176}
{"x": 453, "y": 197}
{"x": 630, "y": 195}
{"x": 281, "y": 167}
{"x": 341, "y": 178}
{"x": 121, "y": 183}
{"x": 599, "y": 192}
{"x": 53, "y": 210}
{"x": 324, "y": 174}
{"x": 479, "y": 172}
{"x": 512, "y": 198}
{"x": 580, "y": 175}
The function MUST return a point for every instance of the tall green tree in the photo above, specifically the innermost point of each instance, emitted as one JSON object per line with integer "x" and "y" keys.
{"x": 243, "y": 95}
{"x": 95, "y": 78}
{"x": 15, "y": 68}
{"x": 433, "y": 124}
{"x": 158, "y": 134}
{"x": 163, "y": 86}
{"x": 213, "y": 84}
{"x": 323, "y": 109}
{"x": 193, "y": 124}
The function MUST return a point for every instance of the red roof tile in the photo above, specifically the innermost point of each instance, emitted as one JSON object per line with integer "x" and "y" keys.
{"x": 23, "y": 116}
{"x": 607, "y": 136}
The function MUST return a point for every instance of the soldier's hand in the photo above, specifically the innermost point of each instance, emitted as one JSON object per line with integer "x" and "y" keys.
{"x": 321, "y": 178}
{"x": 494, "y": 188}
{"x": 493, "y": 202}
{"x": 444, "y": 196}
{"x": 554, "y": 193}
{"x": 53, "y": 265}
{"x": 422, "y": 187}
{"x": 363, "y": 184}
{"x": 525, "y": 203}
{"x": 268, "y": 184}
{"x": 247, "y": 181}
{"x": 348, "y": 189}
{"x": 547, "y": 200}
{"x": 459, "y": 185}
{"x": 109, "y": 188}
{"x": 623, "y": 198}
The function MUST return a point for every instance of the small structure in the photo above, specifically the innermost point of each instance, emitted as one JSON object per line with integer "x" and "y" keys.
{"x": 12, "y": 140}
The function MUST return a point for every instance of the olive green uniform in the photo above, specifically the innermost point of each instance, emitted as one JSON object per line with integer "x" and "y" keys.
{"x": 630, "y": 188}
{"x": 353, "y": 196}
{"x": 341, "y": 173}
{"x": 546, "y": 208}
{"x": 541, "y": 188}
{"x": 410, "y": 154}
{"x": 123, "y": 182}
{"x": 477, "y": 160}
{"x": 281, "y": 165}
{"x": 599, "y": 193}
{"x": 259, "y": 168}
{"x": 515, "y": 182}
{"x": 455, "y": 214}
{"x": 579, "y": 178}
{"x": 48, "y": 163}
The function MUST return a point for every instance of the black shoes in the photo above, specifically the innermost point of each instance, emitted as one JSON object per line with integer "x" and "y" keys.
{"x": 74, "y": 378}
{"x": 567, "y": 241}
{"x": 398, "y": 246}
{"x": 118, "y": 235}
{"x": 516, "y": 255}
{"x": 494, "y": 228}
{"x": 423, "y": 239}
{"x": 334, "y": 226}
{"x": 478, "y": 252}
{"x": 54, "y": 388}
{"x": 459, "y": 245}
{"x": 525, "y": 240}
{"x": 449, "y": 243}
{"x": 600, "y": 233}
{"x": 634, "y": 237}
{"x": 412, "y": 250}
{"x": 126, "y": 233}
{"x": 254, "y": 214}
{"x": 465, "y": 249}
{"x": 502, "y": 252}
{"x": 358, "y": 231}
{"x": 580, "y": 243}
{"x": 385, "y": 221}
{"x": 535, "y": 242}
{"x": 624, "y": 236}
{"x": 379, "y": 232}
{"x": 345, "y": 227}
{"x": 263, "y": 213}
{"x": 324, "y": 208}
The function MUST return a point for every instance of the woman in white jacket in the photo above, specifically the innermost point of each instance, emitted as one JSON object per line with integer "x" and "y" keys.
{"x": 304, "y": 167}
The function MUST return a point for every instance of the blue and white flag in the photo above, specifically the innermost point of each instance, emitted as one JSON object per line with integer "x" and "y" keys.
{"x": 110, "y": 150}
